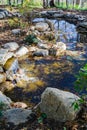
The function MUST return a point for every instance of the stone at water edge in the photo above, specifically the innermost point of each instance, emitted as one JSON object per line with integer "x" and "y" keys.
{"x": 6, "y": 100}
{"x": 41, "y": 52}
{"x": 22, "y": 51}
{"x": 17, "y": 116}
{"x": 57, "y": 104}
{"x": 11, "y": 46}
{"x": 41, "y": 26}
{"x": 42, "y": 45}
{"x": 57, "y": 49}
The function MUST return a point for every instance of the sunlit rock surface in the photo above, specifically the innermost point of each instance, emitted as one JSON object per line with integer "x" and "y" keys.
{"x": 5, "y": 55}
{"x": 57, "y": 104}
{"x": 22, "y": 51}
{"x": 41, "y": 26}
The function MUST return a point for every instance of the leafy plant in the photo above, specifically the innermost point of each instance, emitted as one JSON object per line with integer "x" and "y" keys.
{"x": 41, "y": 118}
{"x": 81, "y": 82}
{"x": 81, "y": 87}
{"x": 77, "y": 103}
{"x": 29, "y": 39}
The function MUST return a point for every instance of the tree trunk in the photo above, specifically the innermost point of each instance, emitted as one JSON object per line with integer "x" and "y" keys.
{"x": 44, "y": 4}
{"x": 9, "y": 2}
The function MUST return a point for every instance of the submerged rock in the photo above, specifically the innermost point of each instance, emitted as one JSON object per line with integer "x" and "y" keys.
{"x": 2, "y": 77}
{"x": 41, "y": 26}
{"x": 57, "y": 104}
{"x": 16, "y": 116}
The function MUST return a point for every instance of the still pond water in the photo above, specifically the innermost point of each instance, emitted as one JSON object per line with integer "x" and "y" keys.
{"x": 54, "y": 72}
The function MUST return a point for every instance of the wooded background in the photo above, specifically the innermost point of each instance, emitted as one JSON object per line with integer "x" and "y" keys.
{"x": 45, "y": 3}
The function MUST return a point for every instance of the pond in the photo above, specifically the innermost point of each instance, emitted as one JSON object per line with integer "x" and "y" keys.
{"x": 54, "y": 72}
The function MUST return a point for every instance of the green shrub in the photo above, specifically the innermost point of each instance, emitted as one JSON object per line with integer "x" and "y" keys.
{"x": 29, "y": 39}
{"x": 81, "y": 82}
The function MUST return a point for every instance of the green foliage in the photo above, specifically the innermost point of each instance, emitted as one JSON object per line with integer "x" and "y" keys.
{"x": 16, "y": 23}
{"x": 29, "y": 39}
{"x": 81, "y": 87}
{"x": 77, "y": 103}
{"x": 41, "y": 118}
{"x": 81, "y": 82}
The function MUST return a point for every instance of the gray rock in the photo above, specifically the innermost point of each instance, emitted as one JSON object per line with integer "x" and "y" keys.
{"x": 6, "y": 100}
{"x": 41, "y": 26}
{"x": 5, "y": 55}
{"x": 22, "y": 51}
{"x": 42, "y": 45}
{"x": 41, "y": 52}
{"x": 16, "y": 31}
{"x": 11, "y": 46}
{"x": 57, "y": 104}
{"x": 17, "y": 116}
{"x": 50, "y": 23}
{"x": 58, "y": 15}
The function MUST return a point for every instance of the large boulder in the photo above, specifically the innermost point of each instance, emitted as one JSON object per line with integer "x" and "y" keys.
{"x": 5, "y": 55}
{"x": 6, "y": 100}
{"x": 57, "y": 104}
{"x": 41, "y": 26}
{"x": 16, "y": 116}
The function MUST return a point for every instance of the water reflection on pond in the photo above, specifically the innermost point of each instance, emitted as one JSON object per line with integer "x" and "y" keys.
{"x": 52, "y": 72}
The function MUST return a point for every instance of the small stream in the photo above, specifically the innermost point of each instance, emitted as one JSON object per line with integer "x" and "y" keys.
{"x": 54, "y": 72}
